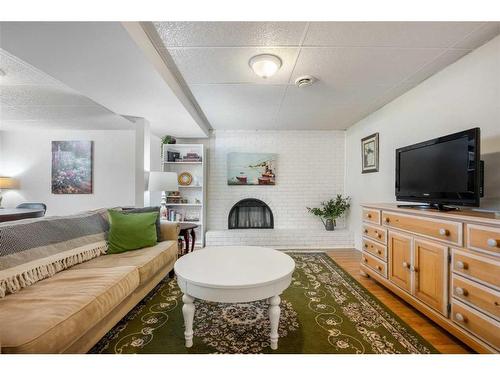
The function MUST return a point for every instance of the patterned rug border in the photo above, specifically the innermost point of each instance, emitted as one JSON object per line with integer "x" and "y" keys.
{"x": 373, "y": 300}
{"x": 347, "y": 275}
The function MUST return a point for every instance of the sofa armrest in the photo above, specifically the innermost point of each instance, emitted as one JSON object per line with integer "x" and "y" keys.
{"x": 169, "y": 230}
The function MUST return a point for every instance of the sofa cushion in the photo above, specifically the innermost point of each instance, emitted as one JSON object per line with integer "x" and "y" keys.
{"x": 133, "y": 210}
{"x": 49, "y": 316}
{"x": 131, "y": 231}
{"x": 148, "y": 260}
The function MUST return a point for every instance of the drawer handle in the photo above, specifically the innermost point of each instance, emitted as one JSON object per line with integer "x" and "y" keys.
{"x": 379, "y": 268}
{"x": 461, "y": 291}
{"x": 387, "y": 220}
{"x": 379, "y": 252}
{"x": 406, "y": 265}
{"x": 444, "y": 232}
{"x": 366, "y": 230}
{"x": 366, "y": 246}
{"x": 379, "y": 235}
{"x": 413, "y": 269}
{"x": 496, "y": 303}
{"x": 369, "y": 216}
{"x": 460, "y": 318}
{"x": 492, "y": 242}
{"x": 365, "y": 260}
{"x": 461, "y": 265}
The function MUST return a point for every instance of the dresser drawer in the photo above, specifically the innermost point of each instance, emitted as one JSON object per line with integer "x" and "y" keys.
{"x": 477, "y": 323}
{"x": 482, "y": 238}
{"x": 371, "y": 216}
{"x": 375, "y": 264}
{"x": 375, "y": 233}
{"x": 479, "y": 296}
{"x": 483, "y": 269}
{"x": 375, "y": 248}
{"x": 442, "y": 230}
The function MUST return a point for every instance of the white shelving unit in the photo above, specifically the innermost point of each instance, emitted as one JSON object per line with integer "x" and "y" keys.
{"x": 196, "y": 190}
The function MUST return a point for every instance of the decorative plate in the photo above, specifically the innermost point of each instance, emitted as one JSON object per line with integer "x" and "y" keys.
{"x": 185, "y": 179}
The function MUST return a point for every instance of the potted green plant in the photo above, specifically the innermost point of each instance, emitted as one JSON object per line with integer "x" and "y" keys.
{"x": 167, "y": 140}
{"x": 331, "y": 210}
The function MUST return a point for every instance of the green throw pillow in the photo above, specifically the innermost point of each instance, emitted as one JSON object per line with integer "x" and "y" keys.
{"x": 131, "y": 231}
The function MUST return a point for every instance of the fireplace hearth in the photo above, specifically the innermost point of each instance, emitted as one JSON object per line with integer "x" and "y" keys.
{"x": 250, "y": 213}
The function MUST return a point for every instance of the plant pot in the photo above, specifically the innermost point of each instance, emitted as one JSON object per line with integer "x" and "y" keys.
{"x": 329, "y": 224}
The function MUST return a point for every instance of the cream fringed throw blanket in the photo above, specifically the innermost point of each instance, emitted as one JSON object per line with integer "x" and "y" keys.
{"x": 33, "y": 250}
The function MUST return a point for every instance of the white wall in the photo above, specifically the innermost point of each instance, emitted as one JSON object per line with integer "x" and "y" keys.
{"x": 464, "y": 95}
{"x": 154, "y": 197}
{"x": 310, "y": 169}
{"x": 26, "y": 154}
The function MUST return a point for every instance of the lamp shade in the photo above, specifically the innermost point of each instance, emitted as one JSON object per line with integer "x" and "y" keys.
{"x": 163, "y": 181}
{"x": 9, "y": 183}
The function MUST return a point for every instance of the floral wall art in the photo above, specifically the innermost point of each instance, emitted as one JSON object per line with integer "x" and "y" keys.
{"x": 72, "y": 168}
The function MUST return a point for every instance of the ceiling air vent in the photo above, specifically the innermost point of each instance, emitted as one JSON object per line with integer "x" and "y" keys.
{"x": 304, "y": 81}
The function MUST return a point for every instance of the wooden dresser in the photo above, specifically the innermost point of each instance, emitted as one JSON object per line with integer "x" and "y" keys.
{"x": 445, "y": 264}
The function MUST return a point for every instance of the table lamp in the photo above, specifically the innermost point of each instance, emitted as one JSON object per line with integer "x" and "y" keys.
{"x": 7, "y": 183}
{"x": 163, "y": 181}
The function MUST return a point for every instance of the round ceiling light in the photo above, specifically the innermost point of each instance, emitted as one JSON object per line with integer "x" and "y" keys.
{"x": 265, "y": 65}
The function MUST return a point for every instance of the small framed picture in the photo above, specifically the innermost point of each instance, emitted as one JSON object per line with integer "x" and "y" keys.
{"x": 369, "y": 154}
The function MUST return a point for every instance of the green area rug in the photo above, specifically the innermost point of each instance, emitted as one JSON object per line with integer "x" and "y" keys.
{"x": 323, "y": 311}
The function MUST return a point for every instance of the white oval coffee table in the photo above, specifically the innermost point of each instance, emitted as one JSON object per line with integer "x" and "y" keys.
{"x": 234, "y": 274}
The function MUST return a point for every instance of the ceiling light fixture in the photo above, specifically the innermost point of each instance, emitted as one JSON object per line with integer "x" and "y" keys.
{"x": 265, "y": 65}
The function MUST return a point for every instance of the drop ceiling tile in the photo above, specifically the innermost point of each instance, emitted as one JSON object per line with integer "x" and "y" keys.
{"x": 41, "y": 95}
{"x": 387, "y": 97}
{"x": 362, "y": 66}
{"x": 388, "y": 34}
{"x": 17, "y": 72}
{"x": 324, "y": 106}
{"x": 105, "y": 122}
{"x": 239, "y": 106}
{"x": 480, "y": 36}
{"x": 229, "y": 65}
{"x": 448, "y": 57}
{"x": 49, "y": 112}
{"x": 229, "y": 34}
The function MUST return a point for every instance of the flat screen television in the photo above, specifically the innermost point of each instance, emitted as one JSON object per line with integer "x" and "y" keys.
{"x": 442, "y": 171}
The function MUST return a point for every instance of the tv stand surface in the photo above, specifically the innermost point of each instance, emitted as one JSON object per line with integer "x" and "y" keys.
{"x": 480, "y": 217}
{"x": 439, "y": 207}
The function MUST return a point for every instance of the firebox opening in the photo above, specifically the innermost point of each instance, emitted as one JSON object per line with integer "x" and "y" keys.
{"x": 250, "y": 214}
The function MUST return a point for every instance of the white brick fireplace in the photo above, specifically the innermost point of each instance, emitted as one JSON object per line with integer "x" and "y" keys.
{"x": 310, "y": 169}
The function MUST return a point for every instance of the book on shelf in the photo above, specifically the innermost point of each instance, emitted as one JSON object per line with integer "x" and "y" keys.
{"x": 175, "y": 215}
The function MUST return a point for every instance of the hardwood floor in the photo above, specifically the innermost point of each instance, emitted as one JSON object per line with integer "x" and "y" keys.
{"x": 349, "y": 260}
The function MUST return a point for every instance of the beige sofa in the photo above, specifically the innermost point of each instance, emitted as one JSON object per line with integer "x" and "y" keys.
{"x": 70, "y": 311}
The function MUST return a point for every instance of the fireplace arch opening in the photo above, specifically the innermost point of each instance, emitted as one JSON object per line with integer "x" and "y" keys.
{"x": 250, "y": 213}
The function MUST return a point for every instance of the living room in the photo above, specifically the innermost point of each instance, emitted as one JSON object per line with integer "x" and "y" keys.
{"x": 235, "y": 186}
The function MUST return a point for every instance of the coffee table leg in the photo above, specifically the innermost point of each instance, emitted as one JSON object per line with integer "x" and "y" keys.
{"x": 274, "y": 318}
{"x": 188, "y": 312}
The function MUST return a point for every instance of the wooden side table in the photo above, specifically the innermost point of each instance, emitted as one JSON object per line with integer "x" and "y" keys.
{"x": 187, "y": 230}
